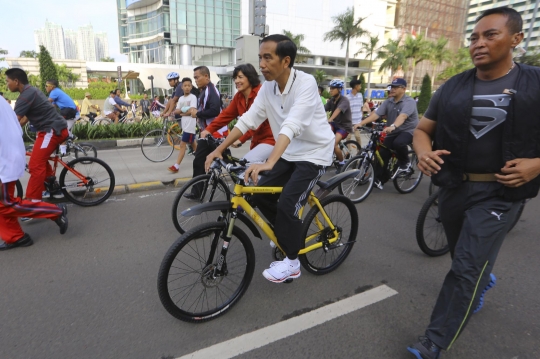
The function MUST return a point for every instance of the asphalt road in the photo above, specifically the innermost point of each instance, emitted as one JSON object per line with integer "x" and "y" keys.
{"x": 92, "y": 292}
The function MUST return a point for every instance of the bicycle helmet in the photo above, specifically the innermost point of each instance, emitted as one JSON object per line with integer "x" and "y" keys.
{"x": 337, "y": 83}
{"x": 172, "y": 76}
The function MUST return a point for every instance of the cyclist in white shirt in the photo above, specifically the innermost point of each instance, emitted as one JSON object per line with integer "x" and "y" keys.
{"x": 289, "y": 99}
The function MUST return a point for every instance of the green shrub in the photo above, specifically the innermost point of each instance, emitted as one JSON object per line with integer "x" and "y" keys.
{"x": 114, "y": 131}
{"x": 425, "y": 94}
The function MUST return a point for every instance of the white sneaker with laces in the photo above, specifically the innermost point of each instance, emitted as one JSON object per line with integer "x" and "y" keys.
{"x": 280, "y": 271}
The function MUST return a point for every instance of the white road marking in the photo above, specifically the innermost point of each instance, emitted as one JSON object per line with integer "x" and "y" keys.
{"x": 284, "y": 329}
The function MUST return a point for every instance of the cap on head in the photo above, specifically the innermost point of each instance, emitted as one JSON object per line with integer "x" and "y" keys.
{"x": 87, "y": 94}
{"x": 399, "y": 82}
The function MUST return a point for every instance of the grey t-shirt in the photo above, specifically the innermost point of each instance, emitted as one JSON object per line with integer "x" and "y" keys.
{"x": 490, "y": 107}
{"x": 344, "y": 119}
{"x": 33, "y": 104}
{"x": 392, "y": 110}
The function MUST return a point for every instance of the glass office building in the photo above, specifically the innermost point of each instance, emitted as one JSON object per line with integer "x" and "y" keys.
{"x": 179, "y": 32}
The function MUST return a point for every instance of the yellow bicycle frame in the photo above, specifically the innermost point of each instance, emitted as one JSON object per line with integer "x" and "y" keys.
{"x": 238, "y": 201}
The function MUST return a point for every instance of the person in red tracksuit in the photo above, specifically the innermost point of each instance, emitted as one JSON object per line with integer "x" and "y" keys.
{"x": 12, "y": 163}
{"x": 248, "y": 84}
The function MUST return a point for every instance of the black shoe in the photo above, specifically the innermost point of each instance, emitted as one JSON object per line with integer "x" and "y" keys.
{"x": 339, "y": 167}
{"x": 25, "y": 241}
{"x": 191, "y": 196}
{"x": 425, "y": 349}
{"x": 62, "y": 221}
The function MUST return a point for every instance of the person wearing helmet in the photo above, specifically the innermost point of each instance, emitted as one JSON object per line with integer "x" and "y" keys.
{"x": 170, "y": 106}
{"x": 340, "y": 119}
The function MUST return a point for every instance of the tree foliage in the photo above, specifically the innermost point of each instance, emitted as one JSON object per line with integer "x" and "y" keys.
{"x": 437, "y": 54}
{"x": 29, "y": 53}
{"x": 460, "y": 61}
{"x": 301, "y": 49}
{"x": 425, "y": 94}
{"x": 107, "y": 59}
{"x": 3, "y": 52}
{"x": 531, "y": 57}
{"x": 369, "y": 48}
{"x": 47, "y": 69}
{"x": 417, "y": 50}
{"x": 320, "y": 76}
{"x": 362, "y": 84}
{"x": 393, "y": 55}
{"x": 66, "y": 76}
{"x": 345, "y": 29}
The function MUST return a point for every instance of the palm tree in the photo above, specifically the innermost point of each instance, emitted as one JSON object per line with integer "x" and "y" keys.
{"x": 29, "y": 53}
{"x": 297, "y": 39}
{"x": 393, "y": 56}
{"x": 438, "y": 53}
{"x": 416, "y": 49}
{"x": 460, "y": 62}
{"x": 320, "y": 76}
{"x": 346, "y": 28}
{"x": 369, "y": 48}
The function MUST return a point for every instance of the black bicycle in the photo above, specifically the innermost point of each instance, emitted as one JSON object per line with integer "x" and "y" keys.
{"x": 430, "y": 234}
{"x": 359, "y": 187}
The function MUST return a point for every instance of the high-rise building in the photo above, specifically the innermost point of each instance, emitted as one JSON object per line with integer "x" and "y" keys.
{"x": 70, "y": 44}
{"x": 86, "y": 43}
{"x": 52, "y": 37}
{"x": 524, "y": 7}
{"x": 184, "y": 32}
{"x": 102, "y": 45}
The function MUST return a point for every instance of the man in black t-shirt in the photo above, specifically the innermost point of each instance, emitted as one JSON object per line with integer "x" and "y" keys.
{"x": 478, "y": 166}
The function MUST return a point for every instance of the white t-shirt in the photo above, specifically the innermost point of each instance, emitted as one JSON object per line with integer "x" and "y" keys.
{"x": 188, "y": 122}
{"x": 12, "y": 151}
{"x": 113, "y": 103}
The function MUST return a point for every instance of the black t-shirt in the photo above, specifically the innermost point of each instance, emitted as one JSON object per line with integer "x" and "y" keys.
{"x": 490, "y": 107}
{"x": 33, "y": 104}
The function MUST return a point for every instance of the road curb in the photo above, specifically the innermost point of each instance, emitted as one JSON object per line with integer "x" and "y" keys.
{"x": 144, "y": 186}
{"x": 179, "y": 182}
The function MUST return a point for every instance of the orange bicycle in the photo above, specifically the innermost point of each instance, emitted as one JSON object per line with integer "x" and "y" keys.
{"x": 85, "y": 181}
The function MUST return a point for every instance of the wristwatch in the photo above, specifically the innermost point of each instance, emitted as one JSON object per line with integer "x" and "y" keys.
{"x": 392, "y": 125}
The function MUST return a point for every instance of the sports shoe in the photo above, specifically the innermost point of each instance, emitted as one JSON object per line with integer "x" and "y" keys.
{"x": 57, "y": 194}
{"x": 191, "y": 196}
{"x": 280, "y": 271}
{"x": 25, "y": 241}
{"x": 45, "y": 194}
{"x": 26, "y": 219}
{"x": 425, "y": 349}
{"x": 62, "y": 221}
{"x": 403, "y": 168}
{"x": 378, "y": 184}
{"x": 173, "y": 169}
{"x": 339, "y": 167}
{"x": 491, "y": 284}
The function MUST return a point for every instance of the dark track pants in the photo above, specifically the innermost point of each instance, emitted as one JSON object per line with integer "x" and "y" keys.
{"x": 203, "y": 150}
{"x": 12, "y": 208}
{"x": 297, "y": 180}
{"x": 475, "y": 221}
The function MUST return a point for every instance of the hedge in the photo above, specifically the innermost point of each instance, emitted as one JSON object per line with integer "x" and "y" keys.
{"x": 120, "y": 130}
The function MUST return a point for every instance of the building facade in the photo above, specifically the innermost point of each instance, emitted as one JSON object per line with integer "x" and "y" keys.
{"x": 524, "y": 7}
{"x": 70, "y": 44}
{"x": 86, "y": 44}
{"x": 102, "y": 45}
{"x": 52, "y": 37}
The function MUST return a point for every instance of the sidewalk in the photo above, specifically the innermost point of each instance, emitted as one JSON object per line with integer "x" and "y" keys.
{"x": 133, "y": 172}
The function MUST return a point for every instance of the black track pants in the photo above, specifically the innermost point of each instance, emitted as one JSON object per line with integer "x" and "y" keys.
{"x": 297, "y": 180}
{"x": 475, "y": 221}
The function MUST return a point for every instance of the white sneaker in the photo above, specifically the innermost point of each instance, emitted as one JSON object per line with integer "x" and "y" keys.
{"x": 280, "y": 271}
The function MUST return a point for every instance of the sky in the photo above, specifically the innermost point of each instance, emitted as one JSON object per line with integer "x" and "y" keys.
{"x": 30, "y": 15}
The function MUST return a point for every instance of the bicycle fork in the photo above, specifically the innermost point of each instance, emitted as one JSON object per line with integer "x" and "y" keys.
{"x": 220, "y": 269}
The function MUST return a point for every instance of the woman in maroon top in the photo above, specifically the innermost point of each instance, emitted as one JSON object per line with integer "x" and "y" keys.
{"x": 262, "y": 140}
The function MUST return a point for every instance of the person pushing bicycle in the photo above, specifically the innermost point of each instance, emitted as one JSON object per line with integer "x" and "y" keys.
{"x": 402, "y": 118}
{"x": 289, "y": 99}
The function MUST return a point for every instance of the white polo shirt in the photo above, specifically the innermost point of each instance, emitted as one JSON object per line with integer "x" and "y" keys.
{"x": 12, "y": 151}
{"x": 298, "y": 113}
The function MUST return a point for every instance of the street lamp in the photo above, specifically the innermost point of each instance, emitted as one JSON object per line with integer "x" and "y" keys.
{"x": 151, "y": 78}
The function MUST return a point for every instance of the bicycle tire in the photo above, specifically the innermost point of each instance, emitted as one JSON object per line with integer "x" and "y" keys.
{"x": 155, "y": 147}
{"x": 176, "y": 278}
{"x": 31, "y": 135}
{"x": 218, "y": 192}
{"x": 407, "y": 182}
{"x": 174, "y": 136}
{"x": 353, "y": 150}
{"x": 19, "y": 192}
{"x": 430, "y": 234}
{"x": 432, "y": 188}
{"x": 99, "y": 188}
{"x": 520, "y": 212}
{"x": 88, "y": 150}
{"x": 359, "y": 187}
{"x": 342, "y": 247}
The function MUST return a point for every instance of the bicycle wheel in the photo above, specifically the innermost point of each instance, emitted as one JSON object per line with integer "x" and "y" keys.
{"x": 432, "y": 188}
{"x": 429, "y": 229}
{"x": 520, "y": 212}
{"x": 187, "y": 286}
{"x": 209, "y": 189}
{"x": 353, "y": 148}
{"x": 174, "y": 136}
{"x": 344, "y": 216}
{"x": 18, "y": 189}
{"x": 85, "y": 150}
{"x": 100, "y": 183}
{"x": 30, "y": 135}
{"x": 155, "y": 147}
{"x": 359, "y": 187}
{"x": 406, "y": 182}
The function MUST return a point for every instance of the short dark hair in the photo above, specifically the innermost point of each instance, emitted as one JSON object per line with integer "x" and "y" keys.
{"x": 17, "y": 74}
{"x": 320, "y": 88}
{"x": 249, "y": 71}
{"x": 186, "y": 79}
{"x": 285, "y": 46}
{"x": 53, "y": 82}
{"x": 203, "y": 70}
{"x": 112, "y": 92}
{"x": 1, "y": 93}
{"x": 115, "y": 91}
{"x": 354, "y": 83}
{"x": 514, "y": 22}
